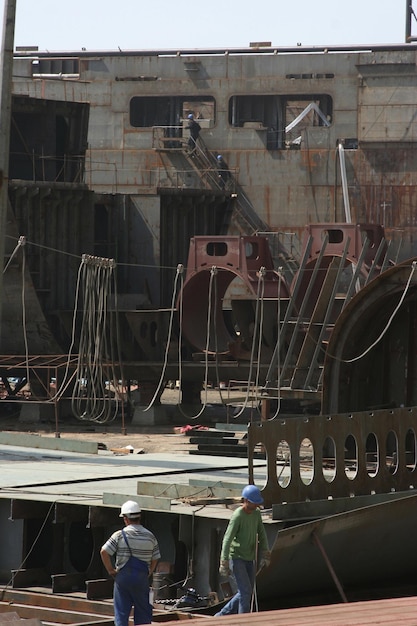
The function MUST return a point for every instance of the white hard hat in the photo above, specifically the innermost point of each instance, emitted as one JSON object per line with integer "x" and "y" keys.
{"x": 130, "y": 509}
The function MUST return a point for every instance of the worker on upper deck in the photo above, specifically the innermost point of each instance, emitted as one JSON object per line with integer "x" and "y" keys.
{"x": 194, "y": 128}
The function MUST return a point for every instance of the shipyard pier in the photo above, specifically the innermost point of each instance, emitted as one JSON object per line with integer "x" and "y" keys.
{"x": 271, "y": 261}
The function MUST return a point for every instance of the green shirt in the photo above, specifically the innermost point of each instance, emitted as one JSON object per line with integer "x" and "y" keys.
{"x": 240, "y": 538}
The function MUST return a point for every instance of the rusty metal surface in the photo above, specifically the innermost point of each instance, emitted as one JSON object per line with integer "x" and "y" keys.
{"x": 338, "y": 234}
{"x": 359, "y": 244}
{"x": 65, "y": 603}
{"x": 70, "y": 608}
{"x": 288, "y": 188}
{"x": 122, "y": 194}
{"x": 57, "y": 615}
{"x": 386, "y": 612}
{"x": 360, "y": 544}
{"x": 228, "y": 258}
{"x": 8, "y": 617}
{"x": 58, "y": 609}
{"x": 99, "y": 589}
{"x": 384, "y": 375}
{"x": 343, "y": 455}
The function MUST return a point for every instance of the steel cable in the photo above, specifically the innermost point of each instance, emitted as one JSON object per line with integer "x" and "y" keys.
{"x": 91, "y": 400}
{"x": 257, "y": 323}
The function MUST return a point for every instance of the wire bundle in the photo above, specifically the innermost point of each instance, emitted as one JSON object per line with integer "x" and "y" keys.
{"x": 91, "y": 398}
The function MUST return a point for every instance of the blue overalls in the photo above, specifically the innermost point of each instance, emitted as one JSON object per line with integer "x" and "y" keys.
{"x": 131, "y": 588}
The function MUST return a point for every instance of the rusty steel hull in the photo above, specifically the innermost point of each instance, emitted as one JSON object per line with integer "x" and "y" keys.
{"x": 99, "y": 165}
{"x": 340, "y": 556}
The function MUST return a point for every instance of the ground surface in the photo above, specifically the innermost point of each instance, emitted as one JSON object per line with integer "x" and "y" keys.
{"x": 146, "y": 439}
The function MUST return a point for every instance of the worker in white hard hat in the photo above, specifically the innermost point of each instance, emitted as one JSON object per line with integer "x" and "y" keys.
{"x": 130, "y": 555}
{"x": 244, "y": 534}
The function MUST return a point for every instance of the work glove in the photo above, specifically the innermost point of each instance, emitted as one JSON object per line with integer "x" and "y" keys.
{"x": 265, "y": 559}
{"x": 224, "y": 569}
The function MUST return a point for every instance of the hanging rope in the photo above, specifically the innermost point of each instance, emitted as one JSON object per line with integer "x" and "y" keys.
{"x": 21, "y": 245}
{"x": 216, "y": 350}
{"x": 213, "y": 274}
{"x": 388, "y": 324}
{"x": 66, "y": 380}
{"x": 278, "y": 388}
{"x": 258, "y": 323}
{"x": 262, "y": 273}
{"x": 178, "y": 275}
{"x": 91, "y": 400}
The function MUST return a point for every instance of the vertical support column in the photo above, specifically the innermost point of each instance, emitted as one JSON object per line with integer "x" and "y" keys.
{"x": 6, "y": 73}
{"x": 144, "y": 414}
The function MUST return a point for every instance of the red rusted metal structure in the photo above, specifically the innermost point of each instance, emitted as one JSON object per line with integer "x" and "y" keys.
{"x": 245, "y": 258}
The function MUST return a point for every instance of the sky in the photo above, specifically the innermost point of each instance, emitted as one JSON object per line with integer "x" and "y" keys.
{"x": 55, "y": 25}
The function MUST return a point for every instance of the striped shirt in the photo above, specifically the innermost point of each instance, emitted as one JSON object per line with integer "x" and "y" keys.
{"x": 142, "y": 542}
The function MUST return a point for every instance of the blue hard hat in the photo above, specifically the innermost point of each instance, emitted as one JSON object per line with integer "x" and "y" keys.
{"x": 219, "y": 156}
{"x": 252, "y": 493}
{"x": 190, "y": 117}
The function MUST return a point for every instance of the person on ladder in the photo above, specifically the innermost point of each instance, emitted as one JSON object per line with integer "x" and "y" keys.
{"x": 194, "y": 128}
{"x": 244, "y": 534}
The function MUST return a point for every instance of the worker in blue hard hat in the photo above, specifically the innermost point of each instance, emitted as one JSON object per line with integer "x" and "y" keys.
{"x": 223, "y": 171}
{"x": 245, "y": 533}
{"x": 194, "y": 128}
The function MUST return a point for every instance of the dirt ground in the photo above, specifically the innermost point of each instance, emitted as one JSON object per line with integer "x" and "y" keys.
{"x": 113, "y": 437}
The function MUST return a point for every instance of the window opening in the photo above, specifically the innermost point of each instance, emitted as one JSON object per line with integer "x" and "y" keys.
{"x": 351, "y": 457}
{"x": 410, "y": 450}
{"x": 284, "y": 118}
{"x": 170, "y": 112}
{"x": 283, "y": 463}
{"x": 217, "y": 248}
{"x": 329, "y": 459}
{"x": 306, "y": 461}
{"x": 391, "y": 451}
{"x": 372, "y": 454}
